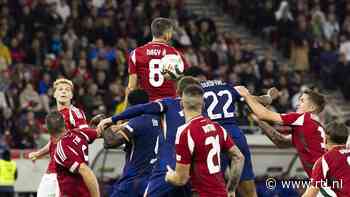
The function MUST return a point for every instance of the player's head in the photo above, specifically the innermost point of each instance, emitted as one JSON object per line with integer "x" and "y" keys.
{"x": 137, "y": 96}
{"x": 196, "y": 72}
{"x": 192, "y": 99}
{"x": 184, "y": 82}
{"x": 162, "y": 28}
{"x": 63, "y": 90}
{"x": 311, "y": 101}
{"x": 55, "y": 123}
{"x": 337, "y": 133}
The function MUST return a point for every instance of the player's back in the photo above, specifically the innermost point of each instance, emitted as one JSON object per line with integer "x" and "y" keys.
{"x": 140, "y": 155}
{"x": 145, "y": 62}
{"x": 220, "y": 99}
{"x": 71, "y": 151}
{"x": 335, "y": 164}
{"x": 206, "y": 139}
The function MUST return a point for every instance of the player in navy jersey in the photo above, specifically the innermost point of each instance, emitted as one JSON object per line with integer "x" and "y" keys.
{"x": 172, "y": 117}
{"x": 139, "y": 135}
{"x": 219, "y": 104}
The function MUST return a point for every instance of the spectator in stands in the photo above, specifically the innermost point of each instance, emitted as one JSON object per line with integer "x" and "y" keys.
{"x": 30, "y": 99}
{"x": 5, "y": 54}
{"x": 331, "y": 27}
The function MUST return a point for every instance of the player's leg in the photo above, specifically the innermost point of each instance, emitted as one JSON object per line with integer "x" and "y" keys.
{"x": 48, "y": 186}
{"x": 246, "y": 185}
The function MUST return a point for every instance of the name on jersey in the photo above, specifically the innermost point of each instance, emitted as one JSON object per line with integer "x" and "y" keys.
{"x": 212, "y": 83}
{"x": 153, "y": 52}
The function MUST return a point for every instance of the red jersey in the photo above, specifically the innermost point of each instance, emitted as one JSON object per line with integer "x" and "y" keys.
{"x": 71, "y": 151}
{"x": 74, "y": 118}
{"x": 199, "y": 143}
{"x": 308, "y": 137}
{"x": 144, "y": 62}
{"x": 333, "y": 170}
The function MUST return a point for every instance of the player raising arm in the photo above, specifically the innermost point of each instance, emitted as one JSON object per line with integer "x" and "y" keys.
{"x": 332, "y": 170}
{"x": 308, "y": 135}
{"x": 199, "y": 143}
{"x": 145, "y": 69}
{"x": 74, "y": 176}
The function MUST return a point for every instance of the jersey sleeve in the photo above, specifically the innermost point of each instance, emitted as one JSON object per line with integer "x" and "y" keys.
{"x": 319, "y": 172}
{"x": 67, "y": 155}
{"x": 227, "y": 140}
{"x": 293, "y": 119}
{"x": 77, "y": 118}
{"x": 134, "y": 126}
{"x": 184, "y": 147}
{"x": 88, "y": 133}
{"x": 137, "y": 110}
{"x": 132, "y": 62}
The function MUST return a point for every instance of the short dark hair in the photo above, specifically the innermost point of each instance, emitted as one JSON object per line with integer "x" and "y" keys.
{"x": 194, "y": 71}
{"x": 193, "y": 97}
{"x": 184, "y": 82}
{"x": 55, "y": 123}
{"x": 160, "y": 26}
{"x": 138, "y": 96}
{"x": 337, "y": 132}
{"x": 316, "y": 98}
{"x": 193, "y": 91}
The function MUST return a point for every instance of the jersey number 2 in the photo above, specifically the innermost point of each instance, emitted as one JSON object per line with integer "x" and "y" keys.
{"x": 216, "y": 101}
{"x": 156, "y": 78}
{"x": 214, "y": 151}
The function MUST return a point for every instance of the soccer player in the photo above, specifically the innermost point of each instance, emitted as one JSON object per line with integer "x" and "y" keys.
{"x": 307, "y": 134}
{"x": 199, "y": 143}
{"x": 144, "y": 62}
{"x": 139, "y": 135}
{"x": 172, "y": 117}
{"x": 74, "y": 118}
{"x": 74, "y": 176}
{"x": 219, "y": 104}
{"x": 333, "y": 168}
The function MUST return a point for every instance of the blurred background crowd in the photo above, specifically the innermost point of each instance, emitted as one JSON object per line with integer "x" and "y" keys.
{"x": 88, "y": 41}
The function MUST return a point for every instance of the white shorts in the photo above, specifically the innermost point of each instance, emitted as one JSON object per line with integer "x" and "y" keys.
{"x": 48, "y": 186}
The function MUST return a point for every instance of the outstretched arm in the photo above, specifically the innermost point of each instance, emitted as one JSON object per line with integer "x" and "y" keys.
{"x": 279, "y": 139}
{"x": 131, "y": 112}
{"x": 40, "y": 153}
{"x": 262, "y": 112}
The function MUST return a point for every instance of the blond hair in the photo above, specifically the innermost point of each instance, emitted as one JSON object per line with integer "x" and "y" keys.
{"x": 62, "y": 80}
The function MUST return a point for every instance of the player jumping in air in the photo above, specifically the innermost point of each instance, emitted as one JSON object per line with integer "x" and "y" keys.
{"x": 144, "y": 62}
{"x": 199, "y": 144}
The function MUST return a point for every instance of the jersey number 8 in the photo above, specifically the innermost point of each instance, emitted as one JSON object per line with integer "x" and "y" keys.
{"x": 155, "y": 71}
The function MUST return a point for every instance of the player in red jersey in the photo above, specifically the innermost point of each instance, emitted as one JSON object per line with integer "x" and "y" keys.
{"x": 307, "y": 134}
{"x": 144, "y": 62}
{"x": 199, "y": 143}
{"x": 74, "y": 118}
{"x": 332, "y": 170}
{"x": 74, "y": 176}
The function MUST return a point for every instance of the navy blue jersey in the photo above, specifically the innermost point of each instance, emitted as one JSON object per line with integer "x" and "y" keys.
{"x": 140, "y": 151}
{"x": 219, "y": 101}
{"x": 172, "y": 117}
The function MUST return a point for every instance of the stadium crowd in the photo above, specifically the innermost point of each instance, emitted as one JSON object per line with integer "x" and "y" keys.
{"x": 89, "y": 42}
{"x": 313, "y": 34}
